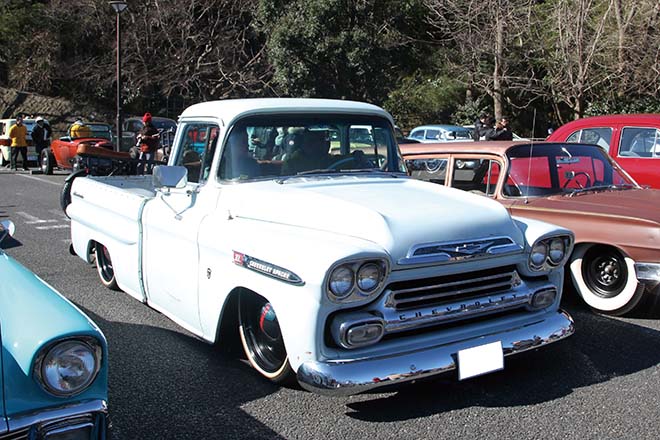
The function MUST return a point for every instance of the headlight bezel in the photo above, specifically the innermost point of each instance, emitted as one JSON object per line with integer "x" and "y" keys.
{"x": 357, "y": 293}
{"x": 88, "y": 342}
{"x": 548, "y": 262}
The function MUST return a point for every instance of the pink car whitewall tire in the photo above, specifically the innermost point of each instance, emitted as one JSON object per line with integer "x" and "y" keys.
{"x": 605, "y": 279}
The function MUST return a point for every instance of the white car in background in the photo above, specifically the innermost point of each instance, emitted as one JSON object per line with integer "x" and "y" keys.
{"x": 440, "y": 133}
{"x": 5, "y": 142}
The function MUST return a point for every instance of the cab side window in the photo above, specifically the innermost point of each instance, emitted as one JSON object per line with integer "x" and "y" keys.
{"x": 197, "y": 146}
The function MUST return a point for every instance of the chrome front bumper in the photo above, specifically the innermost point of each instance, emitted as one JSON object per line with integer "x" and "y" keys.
{"x": 343, "y": 378}
{"x": 87, "y": 420}
{"x": 648, "y": 274}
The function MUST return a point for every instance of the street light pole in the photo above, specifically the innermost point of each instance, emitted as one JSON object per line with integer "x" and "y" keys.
{"x": 119, "y": 7}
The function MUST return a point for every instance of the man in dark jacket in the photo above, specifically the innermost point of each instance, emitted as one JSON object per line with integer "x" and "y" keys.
{"x": 501, "y": 132}
{"x": 482, "y": 127}
{"x": 41, "y": 135}
{"x": 148, "y": 139}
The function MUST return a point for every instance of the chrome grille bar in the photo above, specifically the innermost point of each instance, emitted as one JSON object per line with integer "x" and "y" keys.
{"x": 490, "y": 284}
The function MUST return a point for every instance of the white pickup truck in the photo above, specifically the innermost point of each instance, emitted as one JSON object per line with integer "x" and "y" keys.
{"x": 323, "y": 257}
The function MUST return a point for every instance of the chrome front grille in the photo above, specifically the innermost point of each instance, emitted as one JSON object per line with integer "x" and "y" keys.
{"x": 432, "y": 292}
{"x": 428, "y": 302}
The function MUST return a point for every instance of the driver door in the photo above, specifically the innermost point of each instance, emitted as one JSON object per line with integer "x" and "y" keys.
{"x": 171, "y": 223}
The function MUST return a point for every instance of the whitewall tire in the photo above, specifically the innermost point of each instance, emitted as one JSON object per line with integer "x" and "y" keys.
{"x": 605, "y": 279}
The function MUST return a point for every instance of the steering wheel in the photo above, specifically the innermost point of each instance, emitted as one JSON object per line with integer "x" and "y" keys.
{"x": 579, "y": 173}
{"x": 360, "y": 159}
{"x": 336, "y": 164}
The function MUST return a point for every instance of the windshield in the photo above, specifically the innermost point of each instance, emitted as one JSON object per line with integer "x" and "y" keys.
{"x": 548, "y": 169}
{"x": 267, "y": 147}
{"x": 100, "y": 131}
{"x": 164, "y": 124}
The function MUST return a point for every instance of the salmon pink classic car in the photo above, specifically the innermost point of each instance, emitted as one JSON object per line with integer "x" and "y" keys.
{"x": 632, "y": 140}
{"x": 616, "y": 259}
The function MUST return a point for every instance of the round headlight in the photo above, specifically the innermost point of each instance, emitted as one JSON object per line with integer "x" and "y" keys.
{"x": 369, "y": 277}
{"x": 341, "y": 282}
{"x": 557, "y": 250}
{"x": 539, "y": 254}
{"x": 69, "y": 368}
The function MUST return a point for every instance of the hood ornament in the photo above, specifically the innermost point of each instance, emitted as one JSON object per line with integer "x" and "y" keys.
{"x": 449, "y": 252}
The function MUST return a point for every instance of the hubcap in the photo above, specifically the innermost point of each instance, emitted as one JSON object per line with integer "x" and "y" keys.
{"x": 105, "y": 264}
{"x": 262, "y": 334}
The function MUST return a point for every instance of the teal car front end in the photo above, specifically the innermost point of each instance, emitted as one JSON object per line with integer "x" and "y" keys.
{"x": 54, "y": 361}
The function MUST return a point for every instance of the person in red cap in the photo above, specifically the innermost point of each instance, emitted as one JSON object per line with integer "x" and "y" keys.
{"x": 148, "y": 140}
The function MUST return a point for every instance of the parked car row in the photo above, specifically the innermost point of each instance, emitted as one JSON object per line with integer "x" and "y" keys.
{"x": 352, "y": 263}
{"x": 633, "y": 140}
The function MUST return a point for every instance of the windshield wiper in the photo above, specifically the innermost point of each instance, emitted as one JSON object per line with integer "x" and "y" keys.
{"x": 621, "y": 187}
{"x": 322, "y": 171}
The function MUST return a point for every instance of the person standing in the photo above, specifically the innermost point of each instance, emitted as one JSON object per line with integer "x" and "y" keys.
{"x": 501, "y": 132}
{"x": 148, "y": 140}
{"x": 18, "y": 136}
{"x": 480, "y": 126}
{"x": 41, "y": 135}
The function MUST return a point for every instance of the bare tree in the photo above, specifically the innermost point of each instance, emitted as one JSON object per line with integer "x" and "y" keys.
{"x": 205, "y": 49}
{"x": 485, "y": 40}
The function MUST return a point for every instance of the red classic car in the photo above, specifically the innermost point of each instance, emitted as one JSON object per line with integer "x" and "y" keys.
{"x": 632, "y": 140}
{"x": 63, "y": 152}
{"x": 616, "y": 259}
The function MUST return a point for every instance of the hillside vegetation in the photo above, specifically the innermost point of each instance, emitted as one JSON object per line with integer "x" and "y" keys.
{"x": 540, "y": 62}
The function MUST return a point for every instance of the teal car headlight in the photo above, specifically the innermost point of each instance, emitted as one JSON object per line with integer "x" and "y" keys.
{"x": 69, "y": 367}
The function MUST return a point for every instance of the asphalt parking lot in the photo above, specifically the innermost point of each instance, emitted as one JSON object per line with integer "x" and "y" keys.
{"x": 166, "y": 384}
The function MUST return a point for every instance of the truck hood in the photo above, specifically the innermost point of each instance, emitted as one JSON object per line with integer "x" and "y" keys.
{"x": 396, "y": 213}
{"x": 634, "y": 204}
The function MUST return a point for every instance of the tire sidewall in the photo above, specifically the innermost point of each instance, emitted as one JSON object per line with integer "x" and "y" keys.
{"x": 46, "y": 161}
{"x": 623, "y": 302}
{"x": 100, "y": 262}
{"x": 283, "y": 373}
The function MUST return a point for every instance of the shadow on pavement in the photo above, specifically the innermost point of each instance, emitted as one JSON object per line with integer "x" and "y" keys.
{"x": 195, "y": 396}
{"x": 602, "y": 348}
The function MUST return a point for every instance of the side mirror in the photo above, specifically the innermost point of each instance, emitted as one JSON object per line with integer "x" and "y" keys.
{"x": 7, "y": 228}
{"x": 169, "y": 176}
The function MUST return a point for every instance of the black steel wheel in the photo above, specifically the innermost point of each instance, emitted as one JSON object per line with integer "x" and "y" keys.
{"x": 262, "y": 338}
{"x": 104, "y": 267}
{"x": 605, "y": 278}
{"x": 604, "y": 271}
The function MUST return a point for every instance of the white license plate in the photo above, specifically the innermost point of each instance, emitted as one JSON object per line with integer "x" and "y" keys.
{"x": 32, "y": 157}
{"x": 480, "y": 360}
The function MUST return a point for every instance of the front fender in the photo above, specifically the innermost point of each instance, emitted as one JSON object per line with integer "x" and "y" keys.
{"x": 301, "y": 307}
{"x": 34, "y": 315}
